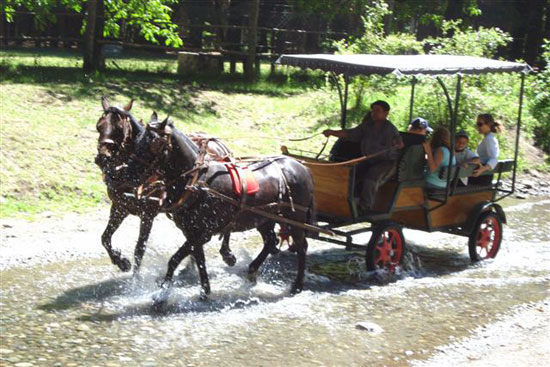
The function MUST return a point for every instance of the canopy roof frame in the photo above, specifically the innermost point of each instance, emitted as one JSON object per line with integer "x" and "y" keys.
{"x": 414, "y": 65}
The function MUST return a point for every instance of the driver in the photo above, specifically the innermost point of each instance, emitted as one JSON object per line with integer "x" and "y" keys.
{"x": 376, "y": 135}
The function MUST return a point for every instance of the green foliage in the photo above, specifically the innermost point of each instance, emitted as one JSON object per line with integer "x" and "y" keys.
{"x": 374, "y": 41}
{"x": 541, "y": 104}
{"x": 152, "y": 18}
{"x": 482, "y": 42}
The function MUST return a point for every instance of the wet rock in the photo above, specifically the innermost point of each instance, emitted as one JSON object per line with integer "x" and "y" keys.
{"x": 5, "y": 351}
{"x": 83, "y": 327}
{"x": 371, "y": 327}
{"x": 24, "y": 364}
{"x": 409, "y": 353}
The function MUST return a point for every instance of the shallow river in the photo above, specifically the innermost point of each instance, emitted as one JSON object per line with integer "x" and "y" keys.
{"x": 86, "y": 313}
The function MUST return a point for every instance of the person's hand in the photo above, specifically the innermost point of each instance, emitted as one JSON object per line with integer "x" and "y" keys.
{"x": 327, "y": 133}
{"x": 479, "y": 171}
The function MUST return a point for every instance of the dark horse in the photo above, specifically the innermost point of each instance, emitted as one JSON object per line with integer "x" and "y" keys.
{"x": 118, "y": 131}
{"x": 206, "y": 204}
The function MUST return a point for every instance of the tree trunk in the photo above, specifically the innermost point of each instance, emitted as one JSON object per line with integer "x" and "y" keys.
{"x": 99, "y": 57}
{"x": 249, "y": 71}
{"x": 535, "y": 24}
{"x": 89, "y": 36}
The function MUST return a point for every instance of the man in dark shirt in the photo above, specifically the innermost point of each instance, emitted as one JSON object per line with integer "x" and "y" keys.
{"x": 376, "y": 135}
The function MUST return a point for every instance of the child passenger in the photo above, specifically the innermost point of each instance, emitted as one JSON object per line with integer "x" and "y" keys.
{"x": 438, "y": 154}
{"x": 463, "y": 155}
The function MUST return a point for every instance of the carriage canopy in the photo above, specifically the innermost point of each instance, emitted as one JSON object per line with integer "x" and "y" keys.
{"x": 361, "y": 64}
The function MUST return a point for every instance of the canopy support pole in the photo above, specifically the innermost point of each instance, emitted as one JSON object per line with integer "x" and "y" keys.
{"x": 453, "y": 122}
{"x": 343, "y": 96}
{"x": 518, "y": 130}
{"x": 449, "y": 102}
{"x": 413, "y": 84}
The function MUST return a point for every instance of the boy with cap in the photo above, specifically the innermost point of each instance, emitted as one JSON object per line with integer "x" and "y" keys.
{"x": 463, "y": 155}
{"x": 416, "y": 133}
{"x": 419, "y": 126}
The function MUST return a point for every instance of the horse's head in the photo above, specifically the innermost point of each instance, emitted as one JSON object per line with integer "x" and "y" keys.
{"x": 115, "y": 135}
{"x": 151, "y": 149}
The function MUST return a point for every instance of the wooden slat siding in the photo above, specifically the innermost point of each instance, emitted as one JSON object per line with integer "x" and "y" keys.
{"x": 411, "y": 218}
{"x": 384, "y": 196}
{"x": 331, "y": 186}
{"x": 409, "y": 196}
{"x": 457, "y": 209}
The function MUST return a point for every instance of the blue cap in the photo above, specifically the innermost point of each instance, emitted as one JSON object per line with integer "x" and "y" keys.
{"x": 462, "y": 134}
{"x": 420, "y": 123}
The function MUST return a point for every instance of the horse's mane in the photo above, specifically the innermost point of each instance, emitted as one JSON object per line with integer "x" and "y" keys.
{"x": 180, "y": 138}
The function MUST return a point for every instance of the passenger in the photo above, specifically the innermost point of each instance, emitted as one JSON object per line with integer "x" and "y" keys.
{"x": 463, "y": 155}
{"x": 416, "y": 133}
{"x": 438, "y": 152}
{"x": 375, "y": 135}
{"x": 487, "y": 150}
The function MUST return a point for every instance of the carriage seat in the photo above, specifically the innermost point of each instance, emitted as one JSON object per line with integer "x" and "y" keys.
{"x": 411, "y": 164}
{"x": 344, "y": 150}
{"x": 458, "y": 172}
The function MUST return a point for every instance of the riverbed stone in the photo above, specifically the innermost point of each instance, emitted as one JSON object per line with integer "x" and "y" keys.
{"x": 371, "y": 327}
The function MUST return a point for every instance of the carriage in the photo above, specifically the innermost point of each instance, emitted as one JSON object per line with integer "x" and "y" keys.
{"x": 405, "y": 201}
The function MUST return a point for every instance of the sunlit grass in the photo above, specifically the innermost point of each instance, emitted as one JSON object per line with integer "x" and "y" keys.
{"x": 49, "y": 109}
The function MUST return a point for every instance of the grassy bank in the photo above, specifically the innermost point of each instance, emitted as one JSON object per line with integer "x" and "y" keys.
{"x": 49, "y": 109}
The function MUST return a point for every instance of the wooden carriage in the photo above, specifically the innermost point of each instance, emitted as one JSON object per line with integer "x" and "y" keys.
{"x": 405, "y": 201}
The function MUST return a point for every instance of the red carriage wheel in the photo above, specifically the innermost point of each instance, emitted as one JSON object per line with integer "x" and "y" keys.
{"x": 386, "y": 248}
{"x": 485, "y": 239}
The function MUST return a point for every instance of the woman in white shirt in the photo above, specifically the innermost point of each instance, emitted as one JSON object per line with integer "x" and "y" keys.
{"x": 487, "y": 150}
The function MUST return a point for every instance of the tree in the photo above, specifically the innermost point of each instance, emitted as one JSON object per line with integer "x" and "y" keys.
{"x": 250, "y": 71}
{"x": 103, "y": 19}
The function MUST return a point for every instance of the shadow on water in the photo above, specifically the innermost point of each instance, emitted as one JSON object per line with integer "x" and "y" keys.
{"x": 330, "y": 271}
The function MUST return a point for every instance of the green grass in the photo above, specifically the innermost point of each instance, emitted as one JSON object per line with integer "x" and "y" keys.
{"x": 49, "y": 109}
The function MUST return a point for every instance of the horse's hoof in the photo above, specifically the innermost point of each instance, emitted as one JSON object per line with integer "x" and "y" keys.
{"x": 204, "y": 296}
{"x": 125, "y": 265}
{"x": 164, "y": 283}
{"x": 229, "y": 259}
{"x": 252, "y": 277}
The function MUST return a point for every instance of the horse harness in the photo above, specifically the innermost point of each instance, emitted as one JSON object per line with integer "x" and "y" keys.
{"x": 196, "y": 185}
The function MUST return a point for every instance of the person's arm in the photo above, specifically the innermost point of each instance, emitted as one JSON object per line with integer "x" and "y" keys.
{"x": 434, "y": 161}
{"x": 492, "y": 149}
{"x": 338, "y": 133}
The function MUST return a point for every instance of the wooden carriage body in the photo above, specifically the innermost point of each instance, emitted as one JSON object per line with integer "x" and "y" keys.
{"x": 404, "y": 199}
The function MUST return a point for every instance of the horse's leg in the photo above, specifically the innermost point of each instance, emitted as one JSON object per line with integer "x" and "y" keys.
{"x": 225, "y": 251}
{"x": 270, "y": 240}
{"x": 198, "y": 254}
{"x": 116, "y": 217}
{"x": 299, "y": 238}
{"x": 144, "y": 230}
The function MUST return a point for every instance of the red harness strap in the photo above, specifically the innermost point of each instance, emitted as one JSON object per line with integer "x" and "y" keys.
{"x": 237, "y": 174}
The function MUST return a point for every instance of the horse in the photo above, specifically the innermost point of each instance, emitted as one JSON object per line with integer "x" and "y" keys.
{"x": 118, "y": 131}
{"x": 203, "y": 200}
